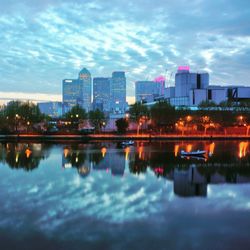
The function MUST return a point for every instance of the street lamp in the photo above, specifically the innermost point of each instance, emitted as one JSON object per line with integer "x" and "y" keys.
{"x": 16, "y": 117}
{"x": 104, "y": 124}
{"x": 28, "y": 124}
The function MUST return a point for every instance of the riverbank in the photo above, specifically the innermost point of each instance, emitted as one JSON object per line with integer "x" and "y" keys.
{"x": 77, "y": 137}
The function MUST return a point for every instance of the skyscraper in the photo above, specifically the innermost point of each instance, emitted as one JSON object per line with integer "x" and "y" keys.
{"x": 185, "y": 81}
{"x": 101, "y": 93}
{"x": 72, "y": 94}
{"x": 77, "y": 91}
{"x": 118, "y": 92}
{"x": 85, "y": 80}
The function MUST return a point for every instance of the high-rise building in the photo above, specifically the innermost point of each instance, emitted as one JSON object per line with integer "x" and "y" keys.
{"x": 118, "y": 92}
{"x": 147, "y": 91}
{"x": 77, "y": 91}
{"x": 72, "y": 94}
{"x": 101, "y": 93}
{"x": 186, "y": 81}
{"x": 85, "y": 80}
{"x": 161, "y": 82}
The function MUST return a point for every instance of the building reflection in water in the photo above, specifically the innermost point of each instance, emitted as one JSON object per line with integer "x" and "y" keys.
{"x": 23, "y": 155}
{"x": 85, "y": 159}
{"x": 77, "y": 156}
{"x": 229, "y": 163}
{"x": 189, "y": 183}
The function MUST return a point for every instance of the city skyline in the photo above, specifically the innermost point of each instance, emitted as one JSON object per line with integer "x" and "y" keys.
{"x": 43, "y": 43}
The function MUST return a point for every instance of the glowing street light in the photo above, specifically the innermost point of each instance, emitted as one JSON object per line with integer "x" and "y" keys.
{"x": 189, "y": 118}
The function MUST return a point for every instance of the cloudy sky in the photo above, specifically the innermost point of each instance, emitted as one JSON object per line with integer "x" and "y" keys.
{"x": 45, "y": 41}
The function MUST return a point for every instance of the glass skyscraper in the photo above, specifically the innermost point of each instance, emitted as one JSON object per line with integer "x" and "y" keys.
{"x": 118, "y": 92}
{"x": 72, "y": 94}
{"x": 77, "y": 91}
{"x": 85, "y": 81}
{"x": 147, "y": 91}
{"x": 101, "y": 93}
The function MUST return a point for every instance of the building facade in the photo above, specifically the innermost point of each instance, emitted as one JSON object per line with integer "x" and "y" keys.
{"x": 72, "y": 94}
{"x": 186, "y": 81}
{"x": 52, "y": 109}
{"x": 118, "y": 92}
{"x": 101, "y": 93}
{"x": 147, "y": 91}
{"x": 86, "y": 82}
{"x": 77, "y": 91}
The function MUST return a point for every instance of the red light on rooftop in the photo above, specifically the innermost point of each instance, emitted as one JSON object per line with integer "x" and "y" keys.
{"x": 160, "y": 79}
{"x": 184, "y": 68}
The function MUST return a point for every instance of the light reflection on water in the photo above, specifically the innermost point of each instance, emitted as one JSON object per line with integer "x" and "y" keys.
{"x": 64, "y": 190}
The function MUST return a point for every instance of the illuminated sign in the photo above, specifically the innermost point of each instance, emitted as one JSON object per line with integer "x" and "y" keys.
{"x": 160, "y": 79}
{"x": 183, "y": 68}
{"x": 68, "y": 80}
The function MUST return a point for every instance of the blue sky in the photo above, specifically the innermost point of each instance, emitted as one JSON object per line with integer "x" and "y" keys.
{"x": 43, "y": 42}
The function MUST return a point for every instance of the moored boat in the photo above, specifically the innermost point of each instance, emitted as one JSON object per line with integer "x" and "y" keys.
{"x": 127, "y": 143}
{"x": 193, "y": 153}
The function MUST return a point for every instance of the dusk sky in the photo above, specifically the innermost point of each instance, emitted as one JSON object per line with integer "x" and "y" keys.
{"x": 43, "y": 42}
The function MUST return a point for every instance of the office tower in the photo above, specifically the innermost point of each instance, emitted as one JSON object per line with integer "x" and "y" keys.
{"x": 72, "y": 94}
{"x": 147, "y": 91}
{"x": 118, "y": 92}
{"x": 101, "y": 93}
{"x": 186, "y": 81}
{"x": 161, "y": 83}
{"x": 77, "y": 91}
{"x": 85, "y": 81}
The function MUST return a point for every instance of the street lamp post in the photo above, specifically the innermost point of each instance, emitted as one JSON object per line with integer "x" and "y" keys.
{"x": 104, "y": 125}
{"x": 28, "y": 123}
{"x": 16, "y": 118}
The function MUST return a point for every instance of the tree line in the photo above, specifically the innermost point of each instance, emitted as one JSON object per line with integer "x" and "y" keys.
{"x": 160, "y": 118}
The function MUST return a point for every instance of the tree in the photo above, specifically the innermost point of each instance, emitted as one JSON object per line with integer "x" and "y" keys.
{"x": 122, "y": 125}
{"x": 97, "y": 119}
{"x": 139, "y": 113}
{"x": 22, "y": 114}
{"x": 76, "y": 114}
{"x": 207, "y": 105}
{"x": 163, "y": 114}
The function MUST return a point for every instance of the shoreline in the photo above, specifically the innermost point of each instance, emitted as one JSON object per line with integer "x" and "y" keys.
{"x": 108, "y": 137}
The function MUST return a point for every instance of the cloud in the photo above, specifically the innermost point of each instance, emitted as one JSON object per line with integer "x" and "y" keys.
{"x": 35, "y": 97}
{"x": 44, "y": 42}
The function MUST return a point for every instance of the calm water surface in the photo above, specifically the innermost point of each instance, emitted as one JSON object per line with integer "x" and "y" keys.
{"x": 103, "y": 196}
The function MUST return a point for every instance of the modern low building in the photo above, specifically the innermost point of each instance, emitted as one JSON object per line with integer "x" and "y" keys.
{"x": 147, "y": 91}
{"x": 52, "y": 109}
{"x": 193, "y": 88}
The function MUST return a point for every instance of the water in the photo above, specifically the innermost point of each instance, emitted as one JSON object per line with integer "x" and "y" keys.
{"x": 102, "y": 196}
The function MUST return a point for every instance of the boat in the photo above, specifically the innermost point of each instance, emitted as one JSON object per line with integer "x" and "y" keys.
{"x": 196, "y": 157}
{"x": 127, "y": 143}
{"x": 193, "y": 153}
